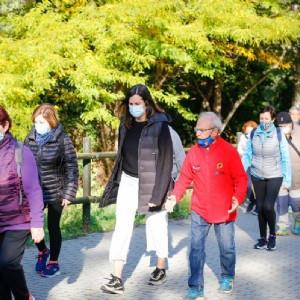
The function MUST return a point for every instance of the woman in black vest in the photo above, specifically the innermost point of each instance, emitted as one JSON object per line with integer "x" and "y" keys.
{"x": 58, "y": 171}
{"x": 140, "y": 181}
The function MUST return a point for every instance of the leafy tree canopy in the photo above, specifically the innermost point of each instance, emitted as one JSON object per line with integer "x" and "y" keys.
{"x": 82, "y": 55}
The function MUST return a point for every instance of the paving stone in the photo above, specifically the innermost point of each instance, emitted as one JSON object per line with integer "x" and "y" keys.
{"x": 260, "y": 274}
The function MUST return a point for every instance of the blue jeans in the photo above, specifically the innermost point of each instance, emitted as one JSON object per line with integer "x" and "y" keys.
{"x": 225, "y": 236}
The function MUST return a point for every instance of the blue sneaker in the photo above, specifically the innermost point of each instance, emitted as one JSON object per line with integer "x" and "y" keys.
{"x": 297, "y": 227}
{"x": 192, "y": 295}
{"x": 226, "y": 285}
{"x": 51, "y": 270}
{"x": 42, "y": 260}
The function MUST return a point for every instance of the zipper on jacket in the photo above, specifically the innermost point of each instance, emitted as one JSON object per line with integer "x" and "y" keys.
{"x": 207, "y": 168}
{"x": 39, "y": 159}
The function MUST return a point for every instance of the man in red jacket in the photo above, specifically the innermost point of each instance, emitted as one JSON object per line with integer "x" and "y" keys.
{"x": 219, "y": 186}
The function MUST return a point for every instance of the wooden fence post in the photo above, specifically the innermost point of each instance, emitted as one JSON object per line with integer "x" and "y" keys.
{"x": 86, "y": 207}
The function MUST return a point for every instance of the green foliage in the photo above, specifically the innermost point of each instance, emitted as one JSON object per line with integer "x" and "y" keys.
{"x": 83, "y": 55}
{"x": 183, "y": 208}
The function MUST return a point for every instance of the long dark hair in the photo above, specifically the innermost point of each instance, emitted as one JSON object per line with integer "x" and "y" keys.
{"x": 151, "y": 107}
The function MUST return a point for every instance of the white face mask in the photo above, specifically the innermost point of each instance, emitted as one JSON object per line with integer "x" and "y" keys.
{"x": 136, "y": 110}
{"x": 42, "y": 128}
{"x": 286, "y": 130}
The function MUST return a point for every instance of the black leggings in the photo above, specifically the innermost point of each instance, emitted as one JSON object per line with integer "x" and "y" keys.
{"x": 266, "y": 192}
{"x": 54, "y": 215}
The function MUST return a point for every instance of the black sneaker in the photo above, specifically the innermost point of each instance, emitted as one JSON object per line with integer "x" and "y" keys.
{"x": 114, "y": 286}
{"x": 158, "y": 276}
{"x": 271, "y": 246}
{"x": 262, "y": 244}
{"x": 255, "y": 211}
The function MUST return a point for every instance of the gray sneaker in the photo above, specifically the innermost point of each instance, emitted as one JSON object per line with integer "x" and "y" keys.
{"x": 114, "y": 285}
{"x": 158, "y": 276}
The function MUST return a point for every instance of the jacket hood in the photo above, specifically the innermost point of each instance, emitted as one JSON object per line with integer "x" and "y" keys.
{"x": 160, "y": 117}
{"x": 57, "y": 133}
{"x": 157, "y": 117}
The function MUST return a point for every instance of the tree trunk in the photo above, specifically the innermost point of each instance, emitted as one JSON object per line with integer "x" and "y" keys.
{"x": 296, "y": 94}
{"x": 217, "y": 104}
{"x": 107, "y": 140}
{"x": 205, "y": 95}
{"x": 243, "y": 98}
{"x": 249, "y": 91}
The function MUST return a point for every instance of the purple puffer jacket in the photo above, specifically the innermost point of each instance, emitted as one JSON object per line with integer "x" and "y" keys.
{"x": 13, "y": 214}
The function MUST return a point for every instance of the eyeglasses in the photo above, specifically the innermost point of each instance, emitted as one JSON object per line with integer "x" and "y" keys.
{"x": 203, "y": 130}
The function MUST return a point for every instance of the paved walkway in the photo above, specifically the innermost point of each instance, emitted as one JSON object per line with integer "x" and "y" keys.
{"x": 260, "y": 274}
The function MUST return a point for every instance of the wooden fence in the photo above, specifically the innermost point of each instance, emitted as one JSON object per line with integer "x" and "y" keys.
{"x": 87, "y": 199}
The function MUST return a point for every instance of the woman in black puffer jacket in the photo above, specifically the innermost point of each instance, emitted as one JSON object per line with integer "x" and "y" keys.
{"x": 58, "y": 172}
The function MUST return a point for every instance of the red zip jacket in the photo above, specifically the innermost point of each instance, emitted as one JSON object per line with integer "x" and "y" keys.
{"x": 218, "y": 175}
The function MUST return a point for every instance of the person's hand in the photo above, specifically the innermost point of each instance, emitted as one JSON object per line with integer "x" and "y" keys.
{"x": 152, "y": 205}
{"x": 65, "y": 203}
{"x": 37, "y": 234}
{"x": 284, "y": 187}
{"x": 235, "y": 204}
{"x": 170, "y": 203}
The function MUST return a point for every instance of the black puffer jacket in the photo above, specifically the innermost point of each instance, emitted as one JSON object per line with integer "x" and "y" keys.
{"x": 57, "y": 165}
{"x": 154, "y": 167}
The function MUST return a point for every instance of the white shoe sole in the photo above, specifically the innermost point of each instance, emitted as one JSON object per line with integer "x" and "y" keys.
{"x": 111, "y": 290}
{"x": 49, "y": 276}
{"x": 157, "y": 282}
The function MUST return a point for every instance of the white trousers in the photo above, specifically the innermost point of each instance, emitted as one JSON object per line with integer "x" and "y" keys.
{"x": 156, "y": 223}
{"x": 284, "y": 199}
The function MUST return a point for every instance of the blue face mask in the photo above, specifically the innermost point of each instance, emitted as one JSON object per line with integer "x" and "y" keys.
{"x": 204, "y": 143}
{"x": 265, "y": 125}
{"x": 42, "y": 128}
{"x": 2, "y": 135}
{"x": 136, "y": 110}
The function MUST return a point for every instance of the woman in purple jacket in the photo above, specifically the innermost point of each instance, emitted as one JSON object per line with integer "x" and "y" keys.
{"x": 21, "y": 212}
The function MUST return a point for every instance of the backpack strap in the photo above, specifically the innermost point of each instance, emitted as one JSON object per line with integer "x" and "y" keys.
{"x": 19, "y": 161}
{"x": 252, "y": 134}
{"x": 293, "y": 146}
{"x": 279, "y": 134}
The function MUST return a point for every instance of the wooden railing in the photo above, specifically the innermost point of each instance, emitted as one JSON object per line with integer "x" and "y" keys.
{"x": 87, "y": 199}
